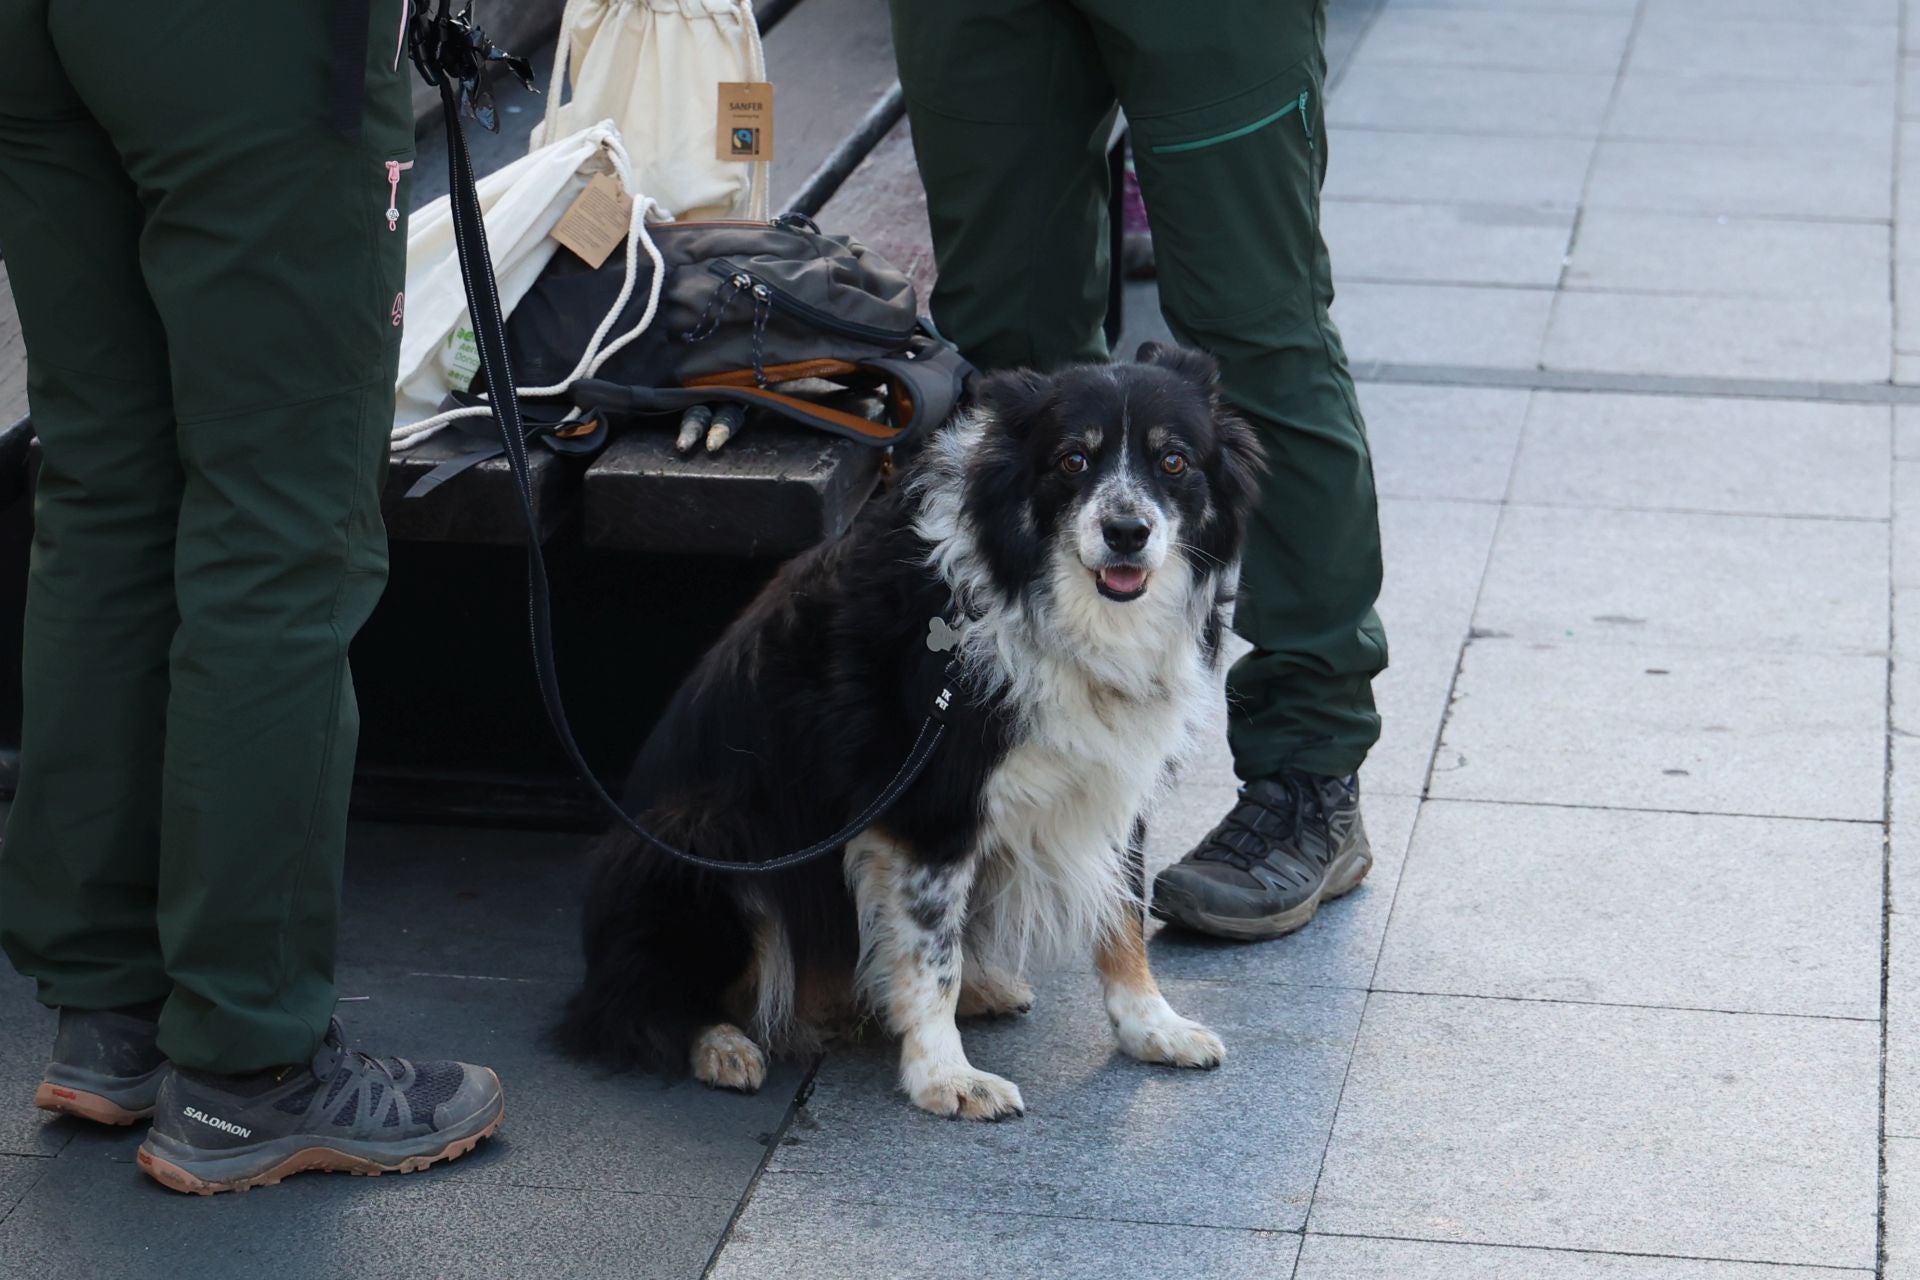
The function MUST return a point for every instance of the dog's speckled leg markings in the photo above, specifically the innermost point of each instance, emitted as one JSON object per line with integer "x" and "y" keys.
{"x": 724, "y": 1058}
{"x": 1143, "y": 1022}
{"x": 911, "y": 921}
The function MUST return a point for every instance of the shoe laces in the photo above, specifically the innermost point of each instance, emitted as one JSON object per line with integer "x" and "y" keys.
{"x": 1241, "y": 841}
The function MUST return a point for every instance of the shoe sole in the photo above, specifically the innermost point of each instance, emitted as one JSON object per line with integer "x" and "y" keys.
{"x": 314, "y": 1159}
{"x": 86, "y": 1106}
{"x": 1343, "y": 877}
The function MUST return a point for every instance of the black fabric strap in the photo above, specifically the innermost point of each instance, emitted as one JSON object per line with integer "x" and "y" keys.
{"x": 489, "y": 325}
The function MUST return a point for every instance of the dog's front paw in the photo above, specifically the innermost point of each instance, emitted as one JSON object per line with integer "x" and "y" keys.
{"x": 724, "y": 1058}
{"x": 964, "y": 1092}
{"x": 1158, "y": 1034}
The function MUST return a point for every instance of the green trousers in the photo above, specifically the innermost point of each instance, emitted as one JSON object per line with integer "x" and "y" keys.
{"x": 1011, "y": 102}
{"x": 194, "y": 215}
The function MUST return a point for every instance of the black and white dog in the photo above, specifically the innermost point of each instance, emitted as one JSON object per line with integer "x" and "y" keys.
{"x": 1086, "y": 526}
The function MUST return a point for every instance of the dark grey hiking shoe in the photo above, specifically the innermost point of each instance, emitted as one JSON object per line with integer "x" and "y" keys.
{"x": 1292, "y": 842}
{"x": 345, "y": 1112}
{"x": 106, "y": 1067}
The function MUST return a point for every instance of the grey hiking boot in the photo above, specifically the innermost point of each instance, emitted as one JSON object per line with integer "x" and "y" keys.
{"x": 344, "y": 1112}
{"x": 1292, "y": 842}
{"x": 106, "y": 1067}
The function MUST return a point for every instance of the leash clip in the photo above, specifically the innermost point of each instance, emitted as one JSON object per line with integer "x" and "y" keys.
{"x": 448, "y": 47}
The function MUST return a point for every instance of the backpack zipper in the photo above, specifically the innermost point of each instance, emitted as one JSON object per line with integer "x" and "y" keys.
{"x": 802, "y": 311}
{"x": 394, "y": 170}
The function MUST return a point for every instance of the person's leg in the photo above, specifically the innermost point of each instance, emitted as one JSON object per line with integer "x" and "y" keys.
{"x": 1230, "y": 146}
{"x": 261, "y": 157}
{"x": 1007, "y": 102}
{"x": 80, "y": 862}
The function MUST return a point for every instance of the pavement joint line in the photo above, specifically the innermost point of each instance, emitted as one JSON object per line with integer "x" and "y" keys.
{"x": 1893, "y": 615}
{"x": 1002, "y": 1211}
{"x": 1627, "y": 1004}
{"x": 1602, "y": 808}
{"x": 802, "y": 1092}
{"x": 1654, "y": 384}
{"x": 484, "y": 977}
{"x": 1625, "y": 508}
{"x": 1630, "y": 639}
{"x": 1630, "y": 808}
{"x": 1600, "y": 1253}
{"x": 1558, "y": 206}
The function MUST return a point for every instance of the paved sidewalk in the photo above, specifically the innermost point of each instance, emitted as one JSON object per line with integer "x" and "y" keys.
{"x": 1632, "y": 993}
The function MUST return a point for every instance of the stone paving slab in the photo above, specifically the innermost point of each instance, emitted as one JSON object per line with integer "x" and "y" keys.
{"x": 1412, "y": 696}
{"x": 1696, "y": 254}
{"x": 1590, "y": 1127}
{"x": 1342, "y": 954}
{"x": 1443, "y": 442}
{"x": 1697, "y": 453}
{"x": 1871, "y": 12}
{"x": 1443, "y": 324}
{"x": 1103, "y": 1136}
{"x": 1658, "y": 577}
{"x": 17, "y": 1176}
{"x": 1657, "y": 106}
{"x": 1617, "y": 726}
{"x": 1446, "y": 243}
{"x": 807, "y": 1233}
{"x": 1906, "y": 431}
{"x": 1902, "y": 1089}
{"x": 1840, "y": 341}
{"x": 568, "y": 1125}
{"x": 1352, "y": 1258}
{"x": 1391, "y": 95}
{"x": 1571, "y": 41}
{"x": 1903, "y": 1210}
{"x": 1906, "y": 526}
{"x": 441, "y": 1223}
{"x": 1435, "y": 554}
{"x": 1676, "y": 41}
{"x": 1380, "y": 165}
{"x": 1754, "y": 915}
{"x": 26, "y": 1034}
{"x": 1840, "y": 178}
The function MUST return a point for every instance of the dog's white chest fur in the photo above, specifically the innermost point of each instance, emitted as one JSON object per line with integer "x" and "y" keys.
{"x": 1087, "y": 760}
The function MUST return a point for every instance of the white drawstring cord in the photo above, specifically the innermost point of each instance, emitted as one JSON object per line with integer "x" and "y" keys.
{"x": 595, "y": 355}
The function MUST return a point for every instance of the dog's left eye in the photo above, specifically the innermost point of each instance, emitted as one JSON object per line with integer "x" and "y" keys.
{"x": 1173, "y": 462}
{"x": 1073, "y": 463}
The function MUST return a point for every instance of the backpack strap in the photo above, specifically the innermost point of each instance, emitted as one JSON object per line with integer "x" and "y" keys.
{"x": 926, "y": 383}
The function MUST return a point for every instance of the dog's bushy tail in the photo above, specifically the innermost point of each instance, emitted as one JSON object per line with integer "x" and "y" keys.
{"x": 663, "y": 945}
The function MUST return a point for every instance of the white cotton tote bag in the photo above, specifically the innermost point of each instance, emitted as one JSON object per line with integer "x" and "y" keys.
{"x": 654, "y": 68}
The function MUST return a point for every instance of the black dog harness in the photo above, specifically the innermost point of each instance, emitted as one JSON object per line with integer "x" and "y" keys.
{"x": 452, "y": 54}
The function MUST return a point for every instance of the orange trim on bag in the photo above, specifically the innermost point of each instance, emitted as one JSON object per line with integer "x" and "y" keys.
{"x": 792, "y": 372}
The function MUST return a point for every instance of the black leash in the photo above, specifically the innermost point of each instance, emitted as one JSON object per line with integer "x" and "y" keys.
{"x": 452, "y": 55}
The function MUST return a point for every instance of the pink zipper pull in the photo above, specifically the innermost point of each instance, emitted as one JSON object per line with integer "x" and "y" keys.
{"x": 394, "y": 169}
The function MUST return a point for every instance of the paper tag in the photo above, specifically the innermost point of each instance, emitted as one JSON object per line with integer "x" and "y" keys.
{"x": 597, "y": 221}
{"x": 746, "y": 120}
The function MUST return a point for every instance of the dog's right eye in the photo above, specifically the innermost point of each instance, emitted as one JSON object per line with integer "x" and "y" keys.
{"x": 1073, "y": 463}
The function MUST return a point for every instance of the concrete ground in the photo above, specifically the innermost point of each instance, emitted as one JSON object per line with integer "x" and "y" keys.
{"x": 1632, "y": 993}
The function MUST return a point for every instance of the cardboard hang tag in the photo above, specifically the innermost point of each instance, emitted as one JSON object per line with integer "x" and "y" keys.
{"x": 746, "y": 120}
{"x": 596, "y": 223}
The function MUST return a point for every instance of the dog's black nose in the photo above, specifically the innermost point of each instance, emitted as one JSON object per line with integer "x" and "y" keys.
{"x": 1127, "y": 534}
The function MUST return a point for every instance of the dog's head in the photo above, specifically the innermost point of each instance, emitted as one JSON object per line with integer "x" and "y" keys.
{"x": 1108, "y": 479}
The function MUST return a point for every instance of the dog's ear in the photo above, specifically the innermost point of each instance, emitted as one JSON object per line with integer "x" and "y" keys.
{"x": 1196, "y": 367}
{"x": 1015, "y": 398}
{"x": 1243, "y": 460}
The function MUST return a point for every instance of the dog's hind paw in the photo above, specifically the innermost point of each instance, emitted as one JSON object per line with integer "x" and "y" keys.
{"x": 964, "y": 1093}
{"x": 1165, "y": 1037}
{"x": 994, "y": 995}
{"x": 724, "y": 1058}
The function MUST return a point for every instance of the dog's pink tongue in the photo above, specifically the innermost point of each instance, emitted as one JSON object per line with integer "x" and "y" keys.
{"x": 1123, "y": 581}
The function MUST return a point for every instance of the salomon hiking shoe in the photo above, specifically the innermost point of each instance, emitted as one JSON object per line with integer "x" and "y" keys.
{"x": 1292, "y": 842}
{"x": 345, "y": 1112}
{"x": 105, "y": 1065}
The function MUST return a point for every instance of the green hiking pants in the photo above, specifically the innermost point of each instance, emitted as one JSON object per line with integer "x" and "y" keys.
{"x": 194, "y": 215}
{"x": 1010, "y": 103}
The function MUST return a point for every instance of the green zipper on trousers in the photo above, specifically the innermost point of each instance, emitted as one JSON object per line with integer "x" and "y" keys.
{"x": 1298, "y": 104}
